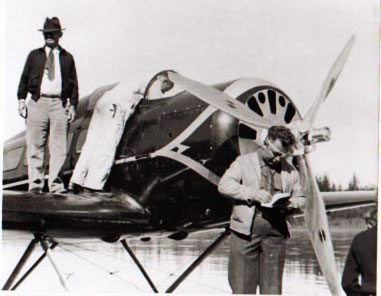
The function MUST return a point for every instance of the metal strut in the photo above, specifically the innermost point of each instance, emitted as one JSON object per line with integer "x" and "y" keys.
{"x": 38, "y": 238}
{"x": 141, "y": 268}
{"x": 26, "y": 274}
{"x": 24, "y": 258}
{"x": 49, "y": 253}
{"x": 188, "y": 271}
{"x": 199, "y": 260}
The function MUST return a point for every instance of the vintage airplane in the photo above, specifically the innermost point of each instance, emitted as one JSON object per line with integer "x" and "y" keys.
{"x": 170, "y": 159}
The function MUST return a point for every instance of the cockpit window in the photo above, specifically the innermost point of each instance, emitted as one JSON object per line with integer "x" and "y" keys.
{"x": 12, "y": 159}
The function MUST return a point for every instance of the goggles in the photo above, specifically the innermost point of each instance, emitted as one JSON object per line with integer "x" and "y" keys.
{"x": 277, "y": 153}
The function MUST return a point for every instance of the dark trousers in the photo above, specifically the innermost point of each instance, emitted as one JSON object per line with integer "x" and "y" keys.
{"x": 257, "y": 260}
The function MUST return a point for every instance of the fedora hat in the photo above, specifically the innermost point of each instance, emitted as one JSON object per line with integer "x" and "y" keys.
{"x": 51, "y": 25}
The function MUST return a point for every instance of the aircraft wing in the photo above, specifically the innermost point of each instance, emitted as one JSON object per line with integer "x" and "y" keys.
{"x": 100, "y": 215}
{"x": 334, "y": 201}
{"x": 344, "y": 200}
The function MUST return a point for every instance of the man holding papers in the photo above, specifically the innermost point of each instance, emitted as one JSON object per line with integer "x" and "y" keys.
{"x": 259, "y": 233}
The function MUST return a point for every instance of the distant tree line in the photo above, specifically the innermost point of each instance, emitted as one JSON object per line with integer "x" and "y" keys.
{"x": 326, "y": 184}
{"x": 349, "y": 218}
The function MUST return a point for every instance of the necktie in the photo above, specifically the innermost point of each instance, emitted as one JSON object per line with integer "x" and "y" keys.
{"x": 50, "y": 65}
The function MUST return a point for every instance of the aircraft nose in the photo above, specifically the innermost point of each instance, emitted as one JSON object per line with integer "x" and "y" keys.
{"x": 130, "y": 206}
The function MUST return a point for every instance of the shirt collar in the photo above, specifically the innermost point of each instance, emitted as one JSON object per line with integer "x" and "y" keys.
{"x": 47, "y": 49}
{"x": 278, "y": 167}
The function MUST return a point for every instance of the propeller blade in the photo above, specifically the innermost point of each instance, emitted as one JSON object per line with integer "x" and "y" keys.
{"x": 221, "y": 101}
{"x": 317, "y": 223}
{"x": 329, "y": 83}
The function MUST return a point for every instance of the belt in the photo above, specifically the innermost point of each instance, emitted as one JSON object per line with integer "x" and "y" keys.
{"x": 51, "y": 96}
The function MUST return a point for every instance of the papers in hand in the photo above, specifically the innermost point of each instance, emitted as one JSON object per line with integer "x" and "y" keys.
{"x": 278, "y": 200}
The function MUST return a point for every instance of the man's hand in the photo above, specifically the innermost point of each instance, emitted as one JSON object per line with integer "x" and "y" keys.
{"x": 261, "y": 196}
{"x": 23, "y": 111}
{"x": 296, "y": 202}
{"x": 71, "y": 114}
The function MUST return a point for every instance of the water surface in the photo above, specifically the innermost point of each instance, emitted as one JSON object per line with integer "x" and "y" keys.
{"x": 94, "y": 266}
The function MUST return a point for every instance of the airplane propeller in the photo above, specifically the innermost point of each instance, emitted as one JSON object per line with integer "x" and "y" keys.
{"x": 315, "y": 214}
{"x": 220, "y": 100}
{"x": 314, "y": 211}
{"x": 328, "y": 84}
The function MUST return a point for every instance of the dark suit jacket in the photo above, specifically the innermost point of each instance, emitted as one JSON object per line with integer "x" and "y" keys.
{"x": 32, "y": 74}
{"x": 361, "y": 260}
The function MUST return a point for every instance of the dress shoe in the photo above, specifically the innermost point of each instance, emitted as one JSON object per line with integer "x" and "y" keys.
{"x": 96, "y": 193}
{"x": 59, "y": 191}
{"x": 75, "y": 188}
{"x": 37, "y": 190}
{"x": 57, "y": 188}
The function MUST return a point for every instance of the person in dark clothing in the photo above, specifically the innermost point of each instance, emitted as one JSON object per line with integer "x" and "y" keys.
{"x": 361, "y": 262}
{"x": 50, "y": 77}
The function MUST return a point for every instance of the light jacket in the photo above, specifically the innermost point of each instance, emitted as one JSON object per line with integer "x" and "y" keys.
{"x": 242, "y": 182}
{"x": 31, "y": 77}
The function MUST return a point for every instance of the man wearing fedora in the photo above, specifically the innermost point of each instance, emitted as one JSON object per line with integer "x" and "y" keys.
{"x": 50, "y": 77}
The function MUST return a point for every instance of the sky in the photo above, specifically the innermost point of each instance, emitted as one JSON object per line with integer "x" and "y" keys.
{"x": 293, "y": 44}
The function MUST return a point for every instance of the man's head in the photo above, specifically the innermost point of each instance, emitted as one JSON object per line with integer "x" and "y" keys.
{"x": 165, "y": 83}
{"x": 52, "y": 32}
{"x": 371, "y": 218}
{"x": 278, "y": 144}
{"x": 160, "y": 80}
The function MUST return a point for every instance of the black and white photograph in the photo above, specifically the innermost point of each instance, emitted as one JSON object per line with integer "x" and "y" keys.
{"x": 190, "y": 147}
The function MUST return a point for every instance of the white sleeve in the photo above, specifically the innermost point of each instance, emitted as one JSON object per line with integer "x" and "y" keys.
{"x": 231, "y": 184}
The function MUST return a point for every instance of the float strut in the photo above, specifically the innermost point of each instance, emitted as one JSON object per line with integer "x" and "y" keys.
{"x": 20, "y": 264}
{"x": 198, "y": 261}
{"x": 42, "y": 257}
{"x": 48, "y": 252}
{"x": 141, "y": 268}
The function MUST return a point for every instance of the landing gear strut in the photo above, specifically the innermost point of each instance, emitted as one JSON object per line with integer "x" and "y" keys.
{"x": 38, "y": 238}
{"x": 188, "y": 271}
{"x": 44, "y": 242}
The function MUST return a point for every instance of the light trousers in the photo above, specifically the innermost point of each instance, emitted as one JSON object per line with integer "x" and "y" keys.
{"x": 46, "y": 119}
{"x": 98, "y": 152}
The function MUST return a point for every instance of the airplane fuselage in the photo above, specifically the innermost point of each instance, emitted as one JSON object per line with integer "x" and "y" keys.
{"x": 172, "y": 153}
